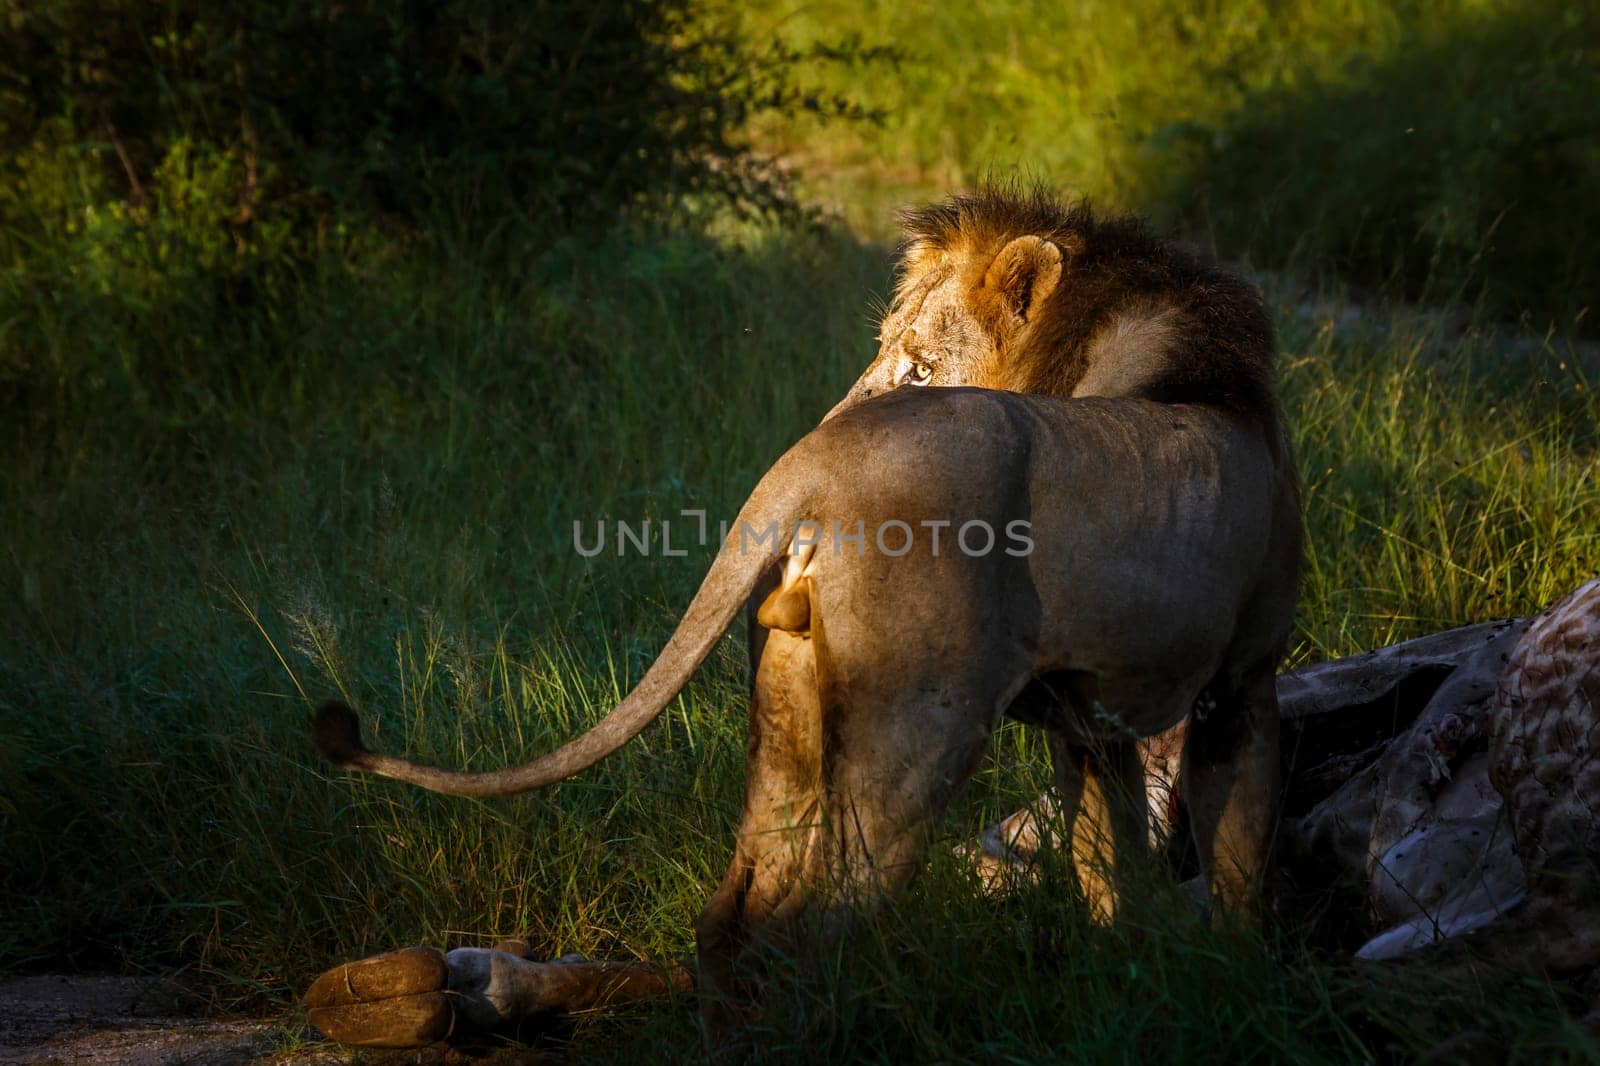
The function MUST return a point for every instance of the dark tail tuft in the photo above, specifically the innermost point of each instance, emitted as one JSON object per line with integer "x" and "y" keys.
{"x": 336, "y": 733}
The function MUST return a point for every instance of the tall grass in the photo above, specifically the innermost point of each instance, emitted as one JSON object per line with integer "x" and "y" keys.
{"x": 382, "y": 509}
{"x": 388, "y": 516}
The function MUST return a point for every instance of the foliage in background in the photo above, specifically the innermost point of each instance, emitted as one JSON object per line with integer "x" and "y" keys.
{"x": 182, "y": 159}
{"x": 1460, "y": 161}
{"x": 394, "y": 500}
{"x": 1444, "y": 151}
{"x": 578, "y": 108}
{"x": 318, "y": 329}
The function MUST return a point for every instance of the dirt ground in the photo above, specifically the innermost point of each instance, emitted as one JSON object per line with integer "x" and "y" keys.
{"x": 149, "y": 1021}
{"x": 138, "y": 1021}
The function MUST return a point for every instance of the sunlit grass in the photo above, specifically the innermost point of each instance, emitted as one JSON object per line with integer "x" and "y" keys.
{"x": 1445, "y": 149}
{"x": 379, "y": 506}
{"x": 1446, "y": 477}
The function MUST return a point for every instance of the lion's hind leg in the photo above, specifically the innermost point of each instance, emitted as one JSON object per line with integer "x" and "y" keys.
{"x": 1230, "y": 783}
{"x": 856, "y": 747}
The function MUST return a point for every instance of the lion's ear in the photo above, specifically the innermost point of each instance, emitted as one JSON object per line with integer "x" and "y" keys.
{"x": 1024, "y": 274}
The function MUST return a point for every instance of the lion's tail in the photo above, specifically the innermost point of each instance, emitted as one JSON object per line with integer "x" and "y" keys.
{"x": 774, "y": 506}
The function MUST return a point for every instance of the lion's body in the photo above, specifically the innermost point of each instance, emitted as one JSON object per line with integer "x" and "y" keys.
{"x": 1131, "y": 603}
{"x": 1024, "y": 293}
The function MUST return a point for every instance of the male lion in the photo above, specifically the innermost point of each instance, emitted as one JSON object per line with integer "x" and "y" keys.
{"x": 1164, "y": 546}
{"x": 1018, "y": 291}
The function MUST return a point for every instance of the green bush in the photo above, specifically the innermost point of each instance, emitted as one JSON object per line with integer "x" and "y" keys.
{"x": 576, "y": 107}
{"x": 182, "y": 160}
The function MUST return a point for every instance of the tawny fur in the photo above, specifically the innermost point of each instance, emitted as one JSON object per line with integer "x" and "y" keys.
{"x": 1018, "y": 290}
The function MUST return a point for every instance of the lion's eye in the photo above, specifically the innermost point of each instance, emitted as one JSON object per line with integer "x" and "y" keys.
{"x": 920, "y": 373}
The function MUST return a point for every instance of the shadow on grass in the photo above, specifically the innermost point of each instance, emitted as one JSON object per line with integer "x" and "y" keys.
{"x": 1459, "y": 164}
{"x": 368, "y": 488}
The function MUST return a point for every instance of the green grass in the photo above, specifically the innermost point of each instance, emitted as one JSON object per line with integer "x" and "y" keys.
{"x": 1443, "y": 149}
{"x": 239, "y": 477}
{"x": 370, "y": 493}
{"x": 245, "y": 467}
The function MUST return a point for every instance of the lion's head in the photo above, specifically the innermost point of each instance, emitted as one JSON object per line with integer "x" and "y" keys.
{"x": 1022, "y": 292}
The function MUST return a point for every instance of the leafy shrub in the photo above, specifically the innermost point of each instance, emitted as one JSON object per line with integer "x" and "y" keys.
{"x": 573, "y": 106}
{"x": 184, "y": 161}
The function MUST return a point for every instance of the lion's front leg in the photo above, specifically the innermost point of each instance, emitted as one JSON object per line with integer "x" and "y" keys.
{"x": 1104, "y": 813}
{"x": 1231, "y": 786}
